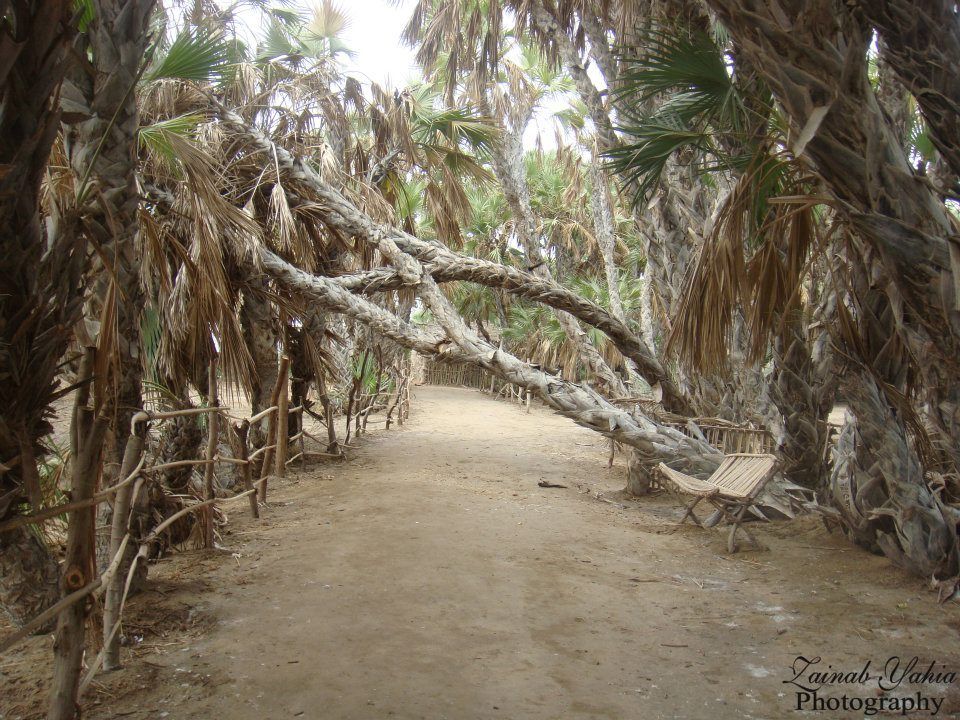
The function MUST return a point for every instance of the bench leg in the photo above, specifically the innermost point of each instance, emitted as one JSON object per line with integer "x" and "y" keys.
{"x": 690, "y": 514}
{"x": 736, "y": 519}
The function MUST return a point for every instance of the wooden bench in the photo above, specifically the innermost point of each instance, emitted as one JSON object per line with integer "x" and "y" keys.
{"x": 732, "y": 488}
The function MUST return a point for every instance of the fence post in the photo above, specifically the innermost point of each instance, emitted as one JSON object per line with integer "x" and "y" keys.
{"x": 283, "y": 423}
{"x": 242, "y": 430}
{"x": 212, "y": 426}
{"x": 272, "y": 434}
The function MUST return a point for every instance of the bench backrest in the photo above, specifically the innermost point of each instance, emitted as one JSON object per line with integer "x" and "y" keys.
{"x": 743, "y": 473}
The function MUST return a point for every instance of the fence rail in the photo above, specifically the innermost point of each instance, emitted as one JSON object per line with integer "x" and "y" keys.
{"x": 456, "y": 375}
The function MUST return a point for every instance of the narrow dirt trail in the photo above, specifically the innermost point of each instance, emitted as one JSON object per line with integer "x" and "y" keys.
{"x": 430, "y": 577}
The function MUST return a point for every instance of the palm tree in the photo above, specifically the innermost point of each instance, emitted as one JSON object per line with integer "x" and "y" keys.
{"x": 39, "y": 284}
{"x": 854, "y": 151}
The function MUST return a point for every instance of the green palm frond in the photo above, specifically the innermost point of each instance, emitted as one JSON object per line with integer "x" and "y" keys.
{"x": 641, "y": 163}
{"x": 279, "y": 42}
{"x": 157, "y": 137}
{"x": 322, "y": 35}
{"x": 699, "y": 103}
{"x": 195, "y": 55}
{"x": 677, "y": 62}
{"x": 86, "y": 11}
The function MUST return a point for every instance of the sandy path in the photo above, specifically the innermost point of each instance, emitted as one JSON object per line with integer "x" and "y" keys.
{"x": 430, "y": 577}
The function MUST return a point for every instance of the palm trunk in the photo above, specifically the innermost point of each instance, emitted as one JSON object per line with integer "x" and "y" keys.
{"x": 260, "y": 330}
{"x": 921, "y": 41}
{"x": 28, "y": 576}
{"x": 815, "y": 64}
{"x": 508, "y": 167}
{"x": 40, "y": 282}
{"x": 103, "y": 154}
{"x": 884, "y": 499}
{"x": 655, "y": 441}
{"x": 603, "y": 228}
{"x": 799, "y": 391}
{"x": 80, "y": 561}
{"x": 180, "y": 439}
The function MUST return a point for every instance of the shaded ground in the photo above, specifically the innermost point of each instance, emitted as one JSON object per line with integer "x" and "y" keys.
{"x": 430, "y": 577}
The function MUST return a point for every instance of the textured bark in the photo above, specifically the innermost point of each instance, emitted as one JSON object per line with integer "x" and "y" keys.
{"x": 447, "y": 266}
{"x": 40, "y": 270}
{"x": 101, "y": 142}
{"x": 800, "y": 392}
{"x": 180, "y": 439}
{"x": 679, "y": 206}
{"x": 28, "y": 577}
{"x": 79, "y": 562}
{"x": 103, "y": 149}
{"x": 654, "y": 441}
{"x": 880, "y": 489}
{"x": 602, "y": 212}
{"x": 576, "y": 65}
{"x": 507, "y": 156}
{"x": 815, "y": 63}
{"x": 813, "y": 57}
{"x": 921, "y": 40}
{"x": 261, "y": 332}
{"x": 113, "y": 598}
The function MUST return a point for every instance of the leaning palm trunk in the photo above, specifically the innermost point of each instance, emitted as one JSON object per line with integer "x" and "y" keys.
{"x": 655, "y": 441}
{"x": 814, "y": 61}
{"x": 678, "y": 206}
{"x": 508, "y": 167}
{"x": 602, "y": 211}
{"x": 922, "y": 43}
{"x": 879, "y": 487}
{"x": 40, "y": 269}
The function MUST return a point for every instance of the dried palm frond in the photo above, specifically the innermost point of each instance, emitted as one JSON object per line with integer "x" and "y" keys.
{"x": 767, "y": 217}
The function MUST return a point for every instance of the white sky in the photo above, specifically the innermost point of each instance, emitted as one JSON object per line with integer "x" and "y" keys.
{"x": 374, "y": 36}
{"x": 381, "y": 56}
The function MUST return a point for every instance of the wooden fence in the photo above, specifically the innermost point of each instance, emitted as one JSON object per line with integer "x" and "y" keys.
{"x": 456, "y": 375}
{"x": 113, "y": 585}
{"x": 733, "y": 439}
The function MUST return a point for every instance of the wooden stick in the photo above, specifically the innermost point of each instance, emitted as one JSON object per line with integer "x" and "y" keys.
{"x": 176, "y": 463}
{"x": 119, "y": 532}
{"x": 243, "y": 430}
{"x": 283, "y": 422}
{"x": 272, "y": 434}
{"x": 261, "y": 415}
{"x": 229, "y": 460}
{"x": 211, "y": 451}
{"x": 149, "y": 415}
{"x": 79, "y": 562}
{"x": 50, "y": 512}
{"x": 303, "y": 446}
{"x": 264, "y": 449}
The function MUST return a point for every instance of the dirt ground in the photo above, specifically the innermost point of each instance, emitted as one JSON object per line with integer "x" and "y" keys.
{"x": 430, "y": 577}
